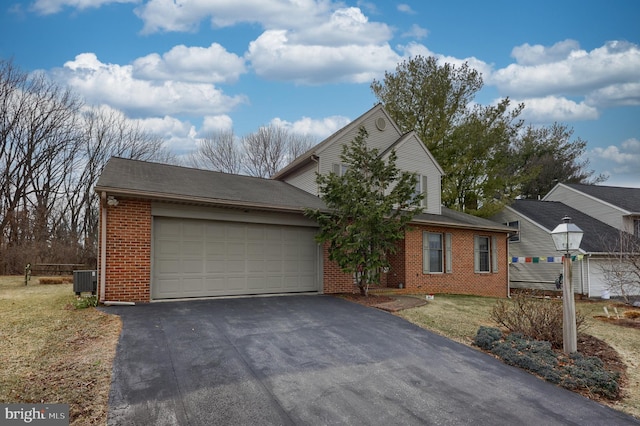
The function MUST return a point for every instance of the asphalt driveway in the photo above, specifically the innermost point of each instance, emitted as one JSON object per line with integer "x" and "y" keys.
{"x": 317, "y": 360}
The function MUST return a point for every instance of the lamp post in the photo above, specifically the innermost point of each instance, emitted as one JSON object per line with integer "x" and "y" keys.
{"x": 566, "y": 238}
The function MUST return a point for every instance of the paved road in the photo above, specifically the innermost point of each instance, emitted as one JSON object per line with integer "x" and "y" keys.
{"x": 317, "y": 360}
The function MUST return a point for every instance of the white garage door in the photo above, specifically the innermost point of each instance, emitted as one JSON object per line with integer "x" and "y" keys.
{"x": 199, "y": 258}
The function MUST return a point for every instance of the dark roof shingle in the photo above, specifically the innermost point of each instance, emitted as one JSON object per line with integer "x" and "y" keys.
{"x": 598, "y": 236}
{"x": 626, "y": 198}
{"x": 176, "y": 182}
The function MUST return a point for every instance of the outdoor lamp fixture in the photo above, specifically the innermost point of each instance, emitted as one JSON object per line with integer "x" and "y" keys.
{"x": 566, "y": 238}
{"x": 112, "y": 201}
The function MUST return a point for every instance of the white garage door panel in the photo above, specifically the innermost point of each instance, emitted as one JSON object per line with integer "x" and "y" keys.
{"x": 199, "y": 258}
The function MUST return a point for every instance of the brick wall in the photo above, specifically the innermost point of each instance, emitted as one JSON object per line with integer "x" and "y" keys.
{"x": 128, "y": 254}
{"x": 336, "y": 281}
{"x": 462, "y": 280}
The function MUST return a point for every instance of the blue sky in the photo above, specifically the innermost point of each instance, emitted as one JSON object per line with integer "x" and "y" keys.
{"x": 186, "y": 68}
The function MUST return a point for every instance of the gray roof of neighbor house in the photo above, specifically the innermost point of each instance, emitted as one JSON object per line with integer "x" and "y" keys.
{"x": 458, "y": 219}
{"x": 135, "y": 178}
{"x": 626, "y": 198}
{"x": 163, "y": 181}
{"x": 598, "y": 236}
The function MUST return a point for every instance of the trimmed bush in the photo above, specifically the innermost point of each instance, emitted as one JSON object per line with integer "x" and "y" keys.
{"x": 537, "y": 318}
{"x": 487, "y": 337}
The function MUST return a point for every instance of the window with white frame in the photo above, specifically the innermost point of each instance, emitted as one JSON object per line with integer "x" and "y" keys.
{"x": 436, "y": 253}
{"x": 421, "y": 188}
{"x": 339, "y": 168}
{"x": 515, "y": 237}
{"x": 485, "y": 257}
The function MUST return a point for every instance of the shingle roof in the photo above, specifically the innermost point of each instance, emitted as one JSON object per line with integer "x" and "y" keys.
{"x": 458, "y": 219}
{"x": 176, "y": 183}
{"x": 626, "y": 198}
{"x": 598, "y": 236}
{"x": 143, "y": 178}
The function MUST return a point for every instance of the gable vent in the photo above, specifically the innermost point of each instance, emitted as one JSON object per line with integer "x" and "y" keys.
{"x": 381, "y": 124}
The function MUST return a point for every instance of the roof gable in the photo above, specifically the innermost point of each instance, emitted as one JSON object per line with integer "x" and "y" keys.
{"x": 412, "y": 138}
{"x": 623, "y": 198}
{"x": 598, "y": 236}
{"x": 336, "y": 137}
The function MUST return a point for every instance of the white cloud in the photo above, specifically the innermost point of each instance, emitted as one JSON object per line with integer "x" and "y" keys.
{"x": 625, "y": 94}
{"x": 564, "y": 69}
{"x": 274, "y": 57}
{"x": 169, "y": 15}
{"x": 538, "y": 54}
{"x": 620, "y": 161}
{"x": 115, "y": 85}
{"x": 212, "y": 123}
{"x": 347, "y": 26}
{"x": 405, "y": 8}
{"x": 550, "y": 108}
{"x": 417, "y": 32}
{"x": 179, "y": 136}
{"x": 48, "y": 7}
{"x": 211, "y": 64}
{"x": 319, "y": 129}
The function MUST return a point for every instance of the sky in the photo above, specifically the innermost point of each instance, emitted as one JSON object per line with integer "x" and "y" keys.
{"x": 184, "y": 69}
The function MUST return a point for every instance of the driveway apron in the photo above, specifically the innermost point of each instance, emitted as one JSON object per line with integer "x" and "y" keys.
{"x": 317, "y": 360}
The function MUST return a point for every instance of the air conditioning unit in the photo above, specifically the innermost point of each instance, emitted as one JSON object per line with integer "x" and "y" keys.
{"x": 85, "y": 281}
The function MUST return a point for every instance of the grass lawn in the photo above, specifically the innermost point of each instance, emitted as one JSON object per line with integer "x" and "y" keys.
{"x": 459, "y": 317}
{"x": 54, "y": 353}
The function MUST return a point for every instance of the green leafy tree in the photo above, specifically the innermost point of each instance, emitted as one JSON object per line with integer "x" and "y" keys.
{"x": 471, "y": 143}
{"x": 369, "y": 207}
{"x": 548, "y": 155}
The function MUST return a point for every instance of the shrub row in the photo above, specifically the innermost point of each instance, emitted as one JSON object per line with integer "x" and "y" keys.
{"x": 538, "y": 357}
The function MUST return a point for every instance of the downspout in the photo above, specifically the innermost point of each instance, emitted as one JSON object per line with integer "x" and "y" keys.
{"x": 103, "y": 244}
{"x": 508, "y": 270}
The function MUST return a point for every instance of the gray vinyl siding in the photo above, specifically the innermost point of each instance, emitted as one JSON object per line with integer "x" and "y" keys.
{"x": 381, "y": 140}
{"x": 305, "y": 179}
{"x": 413, "y": 158}
{"x": 536, "y": 242}
{"x": 598, "y": 209}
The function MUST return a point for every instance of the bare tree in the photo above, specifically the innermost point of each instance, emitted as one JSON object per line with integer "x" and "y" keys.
{"x": 106, "y": 133}
{"x": 219, "y": 152}
{"x": 271, "y": 148}
{"x": 38, "y": 133}
{"x": 622, "y": 268}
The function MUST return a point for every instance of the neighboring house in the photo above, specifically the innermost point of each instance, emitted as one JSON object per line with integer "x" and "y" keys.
{"x": 171, "y": 232}
{"x": 534, "y": 261}
{"x": 614, "y": 205}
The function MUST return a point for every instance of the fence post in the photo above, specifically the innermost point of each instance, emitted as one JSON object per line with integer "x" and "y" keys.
{"x": 27, "y": 273}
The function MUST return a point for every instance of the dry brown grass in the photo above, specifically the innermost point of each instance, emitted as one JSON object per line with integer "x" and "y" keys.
{"x": 459, "y": 317}
{"x": 54, "y": 353}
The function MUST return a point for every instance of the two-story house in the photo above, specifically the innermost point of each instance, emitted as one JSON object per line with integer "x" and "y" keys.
{"x": 169, "y": 232}
{"x": 602, "y": 212}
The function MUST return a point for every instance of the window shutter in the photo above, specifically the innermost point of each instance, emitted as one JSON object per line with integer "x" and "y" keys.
{"x": 476, "y": 253}
{"x": 425, "y": 252}
{"x": 448, "y": 259}
{"x": 494, "y": 254}
{"x": 336, "y": 168}
{"x": 424, "y": 191}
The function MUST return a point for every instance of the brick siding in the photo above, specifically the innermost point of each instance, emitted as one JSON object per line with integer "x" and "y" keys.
{"x": 128, "y": 256}
{"x": 407, "y": 265}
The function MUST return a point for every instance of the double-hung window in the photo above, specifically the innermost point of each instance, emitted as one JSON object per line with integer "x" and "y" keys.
{"x": 421, "y": 188}
{"x": 339, "y": 169}
{"x": 436, "y": 253}
{"x": 485, "y": 257}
